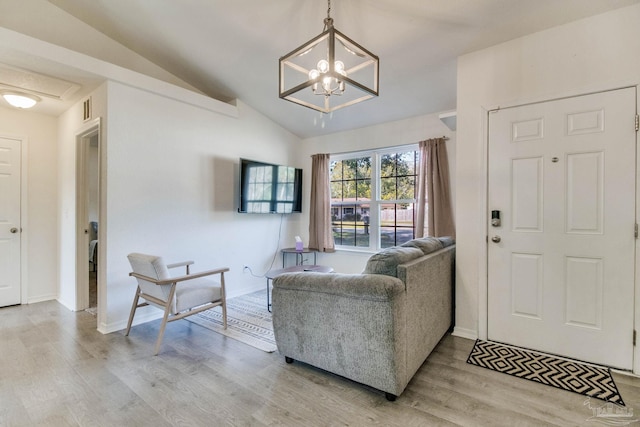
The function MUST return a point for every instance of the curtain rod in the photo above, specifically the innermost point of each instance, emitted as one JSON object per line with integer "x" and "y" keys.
{"x": 446, "y": 138}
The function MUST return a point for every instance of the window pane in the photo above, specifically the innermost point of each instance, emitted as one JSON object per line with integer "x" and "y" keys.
{"x": 387, "y": 165}
{"x": 336, "y": 190}
{"x": 349, "y": 169}
{"x": 396, "y": 224}
{"x": 350, "y": 225}
{"x": 363, "y": 189}
{"x": 406, "y": 187}
{"x": 388, "y": 188}
{"x": 363, "y": 167}
{"x": 335, "y": 170}
{"x": 407, "y": 163}
{"x": 349, "y": 190}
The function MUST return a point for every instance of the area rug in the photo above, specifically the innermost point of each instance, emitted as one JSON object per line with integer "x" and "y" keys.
{"x": 582, "y": 378}
{"x": 248, "y": 321}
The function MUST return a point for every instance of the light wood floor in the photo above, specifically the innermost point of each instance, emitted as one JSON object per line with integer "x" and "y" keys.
{"x": 57, "y": 370}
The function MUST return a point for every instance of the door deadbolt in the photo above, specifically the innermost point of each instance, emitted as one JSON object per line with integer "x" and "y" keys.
{"x": 495, "y": 218}
{"x": 496, "y": 239}
{"x": 14, "y": 230}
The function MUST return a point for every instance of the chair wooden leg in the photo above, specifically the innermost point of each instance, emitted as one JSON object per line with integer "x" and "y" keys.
{"x": 224, "y": 301}
{"x": 224, "y": 313}
{"x": 165, "y": 318}
{"x": 133, "y": 311}
{"x": 162, "y": 328}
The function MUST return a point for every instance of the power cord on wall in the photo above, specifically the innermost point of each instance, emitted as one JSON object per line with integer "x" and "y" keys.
{"x": 275, "y": 254}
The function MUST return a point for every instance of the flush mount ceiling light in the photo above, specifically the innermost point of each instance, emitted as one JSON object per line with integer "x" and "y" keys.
{"x": 329, "y": 72}
{"x": 20, "y": 99}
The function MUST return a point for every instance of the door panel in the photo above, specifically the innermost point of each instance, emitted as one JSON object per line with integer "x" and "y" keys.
{"x": 10, "y": 166}
{"x": 561, "y": 270}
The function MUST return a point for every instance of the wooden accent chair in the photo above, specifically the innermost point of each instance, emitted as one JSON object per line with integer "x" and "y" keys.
{"x": 180, "y": 296}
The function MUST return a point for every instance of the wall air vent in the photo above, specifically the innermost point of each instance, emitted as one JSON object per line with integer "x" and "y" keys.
{"x": 86, "y": 109}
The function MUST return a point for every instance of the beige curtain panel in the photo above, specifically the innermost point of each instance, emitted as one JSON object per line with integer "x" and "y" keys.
{"x": 320, "y": 232}
{"x": 433, "y": 200}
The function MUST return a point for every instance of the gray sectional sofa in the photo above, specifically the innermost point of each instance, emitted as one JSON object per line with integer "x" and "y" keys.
{"x": 376, "y": 328}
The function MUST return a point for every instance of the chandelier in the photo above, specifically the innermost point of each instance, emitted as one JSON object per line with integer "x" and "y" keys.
{"x": 329, "y": 72}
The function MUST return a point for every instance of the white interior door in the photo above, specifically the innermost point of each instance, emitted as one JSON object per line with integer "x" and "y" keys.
{"x": 561, "y": 263}
{"x": 10, "y": 173}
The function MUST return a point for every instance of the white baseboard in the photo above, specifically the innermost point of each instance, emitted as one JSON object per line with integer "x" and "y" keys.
{"x": 465, "y": 333}
{"x": 41, "y": 298}
{"x": 107, "y": 328}
{"x": 236, "y": 292}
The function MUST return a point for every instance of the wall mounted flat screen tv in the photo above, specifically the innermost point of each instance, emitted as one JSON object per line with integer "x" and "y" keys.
{"x": 269, "y": 188}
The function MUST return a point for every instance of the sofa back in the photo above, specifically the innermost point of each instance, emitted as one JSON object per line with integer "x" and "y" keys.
{"x": 387, "y": 260}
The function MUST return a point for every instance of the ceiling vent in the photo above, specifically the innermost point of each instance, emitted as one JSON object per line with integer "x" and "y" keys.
{"x": 36, "y": 84}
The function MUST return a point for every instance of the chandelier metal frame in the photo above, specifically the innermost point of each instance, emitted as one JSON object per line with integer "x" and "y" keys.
{"x": 345, "y": 73}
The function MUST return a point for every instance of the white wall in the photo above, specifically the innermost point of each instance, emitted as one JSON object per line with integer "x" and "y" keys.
{"x": 401, "y": 132}
{"x": 171, "y": 190}
{"x": 597, "y": 53}
{"x": 41, "y": 134}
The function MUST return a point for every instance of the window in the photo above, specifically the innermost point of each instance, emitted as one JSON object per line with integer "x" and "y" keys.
{"x": 373, "y": 197}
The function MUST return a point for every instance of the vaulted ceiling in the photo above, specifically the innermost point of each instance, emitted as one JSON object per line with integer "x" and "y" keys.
{"x": 229, "y": 49}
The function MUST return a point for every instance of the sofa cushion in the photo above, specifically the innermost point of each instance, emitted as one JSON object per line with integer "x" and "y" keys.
{"x": 386, "y": 261}
{"x": 425, "y": 244}
{"x": 447, "y": 241}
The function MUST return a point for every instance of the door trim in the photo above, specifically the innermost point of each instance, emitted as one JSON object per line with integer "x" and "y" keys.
{"x": 82, "y": 254}
{"x": 483, "y": 266}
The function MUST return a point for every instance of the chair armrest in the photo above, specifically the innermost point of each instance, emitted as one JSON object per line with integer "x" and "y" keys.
{"x": 180, "y": 278}
{"x": 180, "y": 264}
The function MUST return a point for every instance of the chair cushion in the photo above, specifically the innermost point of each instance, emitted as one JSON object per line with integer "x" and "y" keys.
{"x": 149, "y": 265}
{"x": 192, "y": 293}
{"x": 386, "y": 261}
{"x": 425, "y": 244}
{"x": 154, "y": 267}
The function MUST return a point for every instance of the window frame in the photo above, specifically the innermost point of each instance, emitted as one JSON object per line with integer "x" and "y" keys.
{"x": 376, "y": 202}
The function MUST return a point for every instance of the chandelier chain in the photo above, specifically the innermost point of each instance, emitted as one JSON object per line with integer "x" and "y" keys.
{"x": 328, "y": 21}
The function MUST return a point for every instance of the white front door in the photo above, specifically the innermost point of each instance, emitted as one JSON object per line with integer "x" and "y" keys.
{"x": 561, "y": 263}
{"x": 10, "y": 173}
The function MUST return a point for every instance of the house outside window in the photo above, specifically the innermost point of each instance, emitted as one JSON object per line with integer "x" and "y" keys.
{"x": 373, "y": 197}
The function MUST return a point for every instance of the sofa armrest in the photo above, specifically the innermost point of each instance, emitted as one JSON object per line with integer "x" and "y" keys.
{"x": 353, "y": 325}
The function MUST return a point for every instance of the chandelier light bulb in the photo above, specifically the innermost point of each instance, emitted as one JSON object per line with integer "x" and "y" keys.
{"x": 323, "y": 66}
{"x": 326, "y": 85}
{"x": 339, "y": 67}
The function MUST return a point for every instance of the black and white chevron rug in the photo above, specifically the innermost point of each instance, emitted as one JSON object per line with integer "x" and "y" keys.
{"x": 578, "y": 377}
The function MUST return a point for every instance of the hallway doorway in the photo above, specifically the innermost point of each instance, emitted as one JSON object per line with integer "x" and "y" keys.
{"x": 88, "y": 219}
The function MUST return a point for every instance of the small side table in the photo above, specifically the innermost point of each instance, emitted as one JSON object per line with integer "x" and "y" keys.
{"x": 299, "y": 255}
{"x": 272, "y": 274}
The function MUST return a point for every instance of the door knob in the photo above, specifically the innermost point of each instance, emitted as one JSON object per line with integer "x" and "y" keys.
{"x": 14, "y": 230}
{"x": 496, "y": 239}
